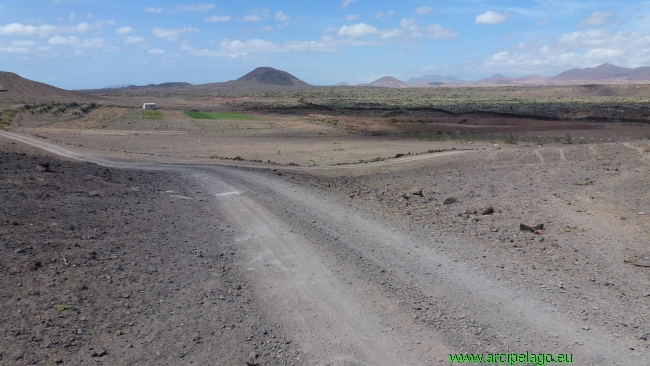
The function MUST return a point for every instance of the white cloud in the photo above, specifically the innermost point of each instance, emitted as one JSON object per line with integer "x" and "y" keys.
{"x": 255, "y": 15}
{"x": 357, "y": 30}
{"x": 172, "y": 34}
{"x": 604, "y": 38}
{"x": 251, "y": 18}
{"x": 238, "y": 49}
{"x": 390, "y": 33}
{"x": 132, "y": 40}
{"x": 124, "y": 30}
{"x": 542, "y": 23}
{"x": 218, "y": 18}
{"x": 384, "y": 16}
{"x": 74, "y": 41}
{"x": 282, "y": 17}
{"x": 89, "y": 15}
{"x": 409, "y": 25}
{"x": 196, "y": 7}
{"x": 20, "y": 46}
{"x": 23, "y": 43}
{"x": 581, "y": 48}
{"x": 266, "y": 29}
{"x": 12, "y": 49}
{"x": 156, "y": 51}
{"x": 490, "y": 17}
{"x": 347, "y": 2}
{"x": 351, "y": 17}
{"x": 72, "y": 17}
{"x": 423, "y": 10}
{"x": 18, "y": 29}
{"x": 596, "y": 18}
{"x": 154, "y": 10}
{"x": 329, "y": 30}
{"x": 439, "y": 32}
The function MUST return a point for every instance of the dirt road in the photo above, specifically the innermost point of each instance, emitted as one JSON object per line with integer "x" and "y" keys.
{"x": 351, "y": 287}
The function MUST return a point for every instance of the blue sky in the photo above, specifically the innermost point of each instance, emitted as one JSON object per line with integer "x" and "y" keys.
{"x": 77, "y": 44}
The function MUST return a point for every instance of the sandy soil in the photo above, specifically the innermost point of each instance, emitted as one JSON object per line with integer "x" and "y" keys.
{"x": 305, "y": 141}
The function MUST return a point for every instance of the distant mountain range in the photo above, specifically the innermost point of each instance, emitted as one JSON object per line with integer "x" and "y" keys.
{"x": 15, "y": 89}
{"x": 605, "y": 73}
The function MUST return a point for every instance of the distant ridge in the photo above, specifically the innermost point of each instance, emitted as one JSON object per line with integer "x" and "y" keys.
{"x": 269, "y": 75}
{"x": 605, "y": 72}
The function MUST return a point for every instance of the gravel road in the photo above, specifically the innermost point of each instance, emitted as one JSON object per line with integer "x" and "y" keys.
{"x": 351, "y": 286}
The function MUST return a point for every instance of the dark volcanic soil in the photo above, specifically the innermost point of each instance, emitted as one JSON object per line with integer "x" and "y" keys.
{"x": 120, "y": 267}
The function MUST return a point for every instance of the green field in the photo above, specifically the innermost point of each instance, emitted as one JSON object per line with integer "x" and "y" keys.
{"x": 152, "y": 115}
{"x": 221, "y": 115}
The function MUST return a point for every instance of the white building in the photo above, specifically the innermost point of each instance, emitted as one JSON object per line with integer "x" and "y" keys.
{"x": 150, "y": 106}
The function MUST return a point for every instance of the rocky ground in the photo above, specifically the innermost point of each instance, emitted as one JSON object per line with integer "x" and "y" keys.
{"x": 591, "y": 204}
{"x": 368, "y": 264}
{"x": 120, "y": 267}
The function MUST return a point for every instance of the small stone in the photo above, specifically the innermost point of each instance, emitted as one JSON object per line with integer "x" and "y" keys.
{"x": 524, "y": 227}
{"x": 94, "y": 193}
{"x": 416, "y": 191}
{"x": 488, "y": 211}
{"x": 450, "y": 200}
{"x": 643, "y": 336}
{"x": 640, "y": 213}
{"x": 642, "y": 261}
{"x": 19, "y": 250}
{"x": 118, "y": 332}
{"x": 585, "y": 328}
{"x": 540, "y": 232}
{"x": 80, "y": 331}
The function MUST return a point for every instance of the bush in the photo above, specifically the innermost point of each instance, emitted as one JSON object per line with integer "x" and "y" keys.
{"x": 6, "y": 116}
{"x": 510, "y": 138}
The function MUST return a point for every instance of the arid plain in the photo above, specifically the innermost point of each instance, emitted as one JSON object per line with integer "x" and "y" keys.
{"x": 328, "y": 226}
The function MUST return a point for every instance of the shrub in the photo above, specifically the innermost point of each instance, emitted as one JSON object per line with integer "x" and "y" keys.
{"x": 510, "y": 138}
{"x": 569, "y": 140}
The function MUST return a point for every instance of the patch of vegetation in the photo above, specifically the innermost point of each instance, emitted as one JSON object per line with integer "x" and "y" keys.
{"x": 569, "y": 140}
{"x": 85, "y": 108}
{"x": 54, "y": 107}
{"x": 7, "y": 115}
{"x": 62, "y": 308}
{"x": 148, "y": 114}
{"x": 220, "y": 115}
{"x": 510, "y": 138}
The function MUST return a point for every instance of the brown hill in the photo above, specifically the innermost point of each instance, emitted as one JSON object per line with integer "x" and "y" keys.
{"x": 15, "y": 89}
{"x": 269, "y": 75}
{"x": 389, "y": 82}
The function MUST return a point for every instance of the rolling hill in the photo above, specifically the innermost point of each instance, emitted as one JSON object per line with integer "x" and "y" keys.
{"x": 16, "y": 89}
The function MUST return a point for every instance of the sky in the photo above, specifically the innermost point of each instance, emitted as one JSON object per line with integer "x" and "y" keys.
{"x": 84, "y": 44}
